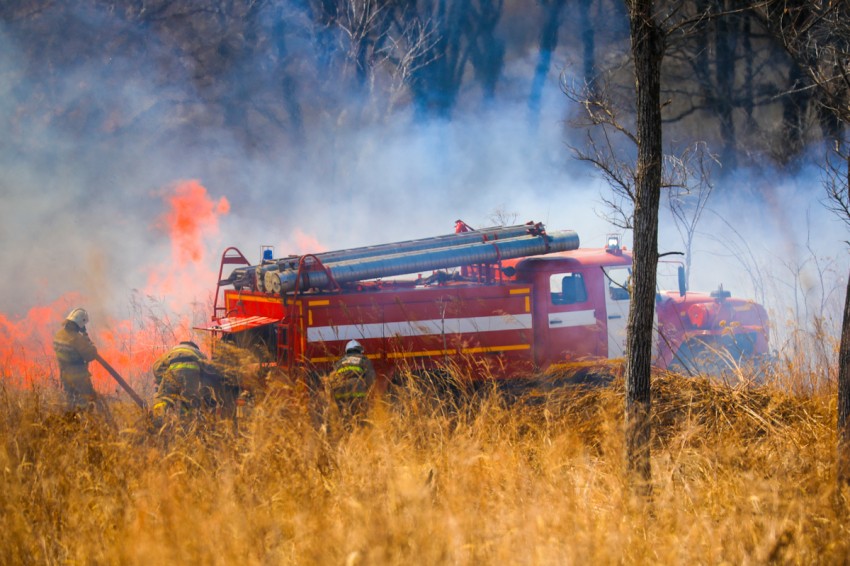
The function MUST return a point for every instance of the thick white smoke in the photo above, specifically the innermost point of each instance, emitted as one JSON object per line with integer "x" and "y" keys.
{"x": 80, "y": 204}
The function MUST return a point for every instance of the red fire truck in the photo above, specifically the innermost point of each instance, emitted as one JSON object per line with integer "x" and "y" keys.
{"x": 505, "y": 301}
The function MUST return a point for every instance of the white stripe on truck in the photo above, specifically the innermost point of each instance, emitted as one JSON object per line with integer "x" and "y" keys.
{"x": 434, "y": 327}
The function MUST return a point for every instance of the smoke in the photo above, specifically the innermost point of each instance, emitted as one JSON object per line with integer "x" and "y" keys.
{"x": 405, "y": 180}
{"x": 770, "y": 237}
{"x": 97, "y": 148}
{"x": 99, "y": 141}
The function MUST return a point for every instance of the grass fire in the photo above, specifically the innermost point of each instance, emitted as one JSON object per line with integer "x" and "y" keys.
{"x": 486, "y": 461}
{"x": 478, "y": 282}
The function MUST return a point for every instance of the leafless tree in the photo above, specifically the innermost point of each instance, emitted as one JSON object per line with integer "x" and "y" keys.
{"x": 816, "y": 33}
{"x": 381, "y": 45}
{"x": 837, "y": 172}
{"x": 408, "y": 51}
{"x": 738, "y": 248}
{"x": 648, "y": 38}
{"x": 688, "y": 191}
{"x": 606, "y": 123}
{"x": 501, "y": 216}
{"x": 637, "y": 172}
{"x": 547, "y": 44}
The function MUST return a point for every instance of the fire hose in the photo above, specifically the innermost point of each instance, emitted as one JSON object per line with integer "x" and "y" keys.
{"x": 117, "y": 377}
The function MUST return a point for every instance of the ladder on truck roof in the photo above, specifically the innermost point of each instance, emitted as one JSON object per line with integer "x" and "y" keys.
{"x": 230, "y": 256}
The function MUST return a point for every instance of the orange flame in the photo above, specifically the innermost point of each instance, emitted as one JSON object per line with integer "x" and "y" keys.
{"x": 192, "y": 216}
{"x": 130, "y": 345}
{"x": 307, "y": 244}
{"x": 191, "y": 219}
{"x": 26, "y": 345}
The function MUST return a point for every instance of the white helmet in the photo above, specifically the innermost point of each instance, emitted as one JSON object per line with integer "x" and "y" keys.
{"x": 78, "y": 316}
{"x": 354, "y": 346}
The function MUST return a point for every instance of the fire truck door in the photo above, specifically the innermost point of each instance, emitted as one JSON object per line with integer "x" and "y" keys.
{"x": 570, "y": 325}
{"x": 617, "y": 299}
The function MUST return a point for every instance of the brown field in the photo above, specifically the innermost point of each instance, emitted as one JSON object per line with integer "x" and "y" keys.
{"x": 532, "y": 475}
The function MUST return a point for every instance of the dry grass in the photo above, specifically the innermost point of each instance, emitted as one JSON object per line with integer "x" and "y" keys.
{"x": 530, "y": 475}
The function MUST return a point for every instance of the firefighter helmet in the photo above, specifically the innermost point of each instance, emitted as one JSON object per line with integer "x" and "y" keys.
{"x": 354, "y": 347}
{"x": 190, "y": 344}
{"x": 79, "y": 317}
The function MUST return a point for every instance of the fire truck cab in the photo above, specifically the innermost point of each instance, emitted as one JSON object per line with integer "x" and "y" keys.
{"x": 581, "y": 304}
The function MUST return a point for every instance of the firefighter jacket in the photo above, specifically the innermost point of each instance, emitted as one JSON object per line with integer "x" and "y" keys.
{"x": 352, "y": 377}
{"x": 186, "y": 380}
{"x": 177, "y": 374}
{"x": 74, "y": 350}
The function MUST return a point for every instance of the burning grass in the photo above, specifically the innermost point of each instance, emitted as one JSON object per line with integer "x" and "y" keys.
{"x": 525, "y": 475}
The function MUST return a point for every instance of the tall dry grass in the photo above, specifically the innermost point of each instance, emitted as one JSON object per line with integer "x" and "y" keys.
{"x": 529, "y": 475}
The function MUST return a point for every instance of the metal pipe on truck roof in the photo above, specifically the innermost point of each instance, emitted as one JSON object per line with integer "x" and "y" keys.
{"x": 424, "y": 260}
{"x": 434, "y": 242}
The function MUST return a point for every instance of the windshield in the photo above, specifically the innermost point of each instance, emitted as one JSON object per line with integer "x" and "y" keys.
{"x": 668, "y": 275}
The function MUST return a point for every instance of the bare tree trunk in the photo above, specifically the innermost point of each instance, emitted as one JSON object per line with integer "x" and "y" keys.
{"x": 487, "y": 51}
{"x": 844, "y": 395}
{"x": 725, "y": 37}
{"x": 288, "y": 83}
{"x": 647, "y": 40}
{"x": 548, "y": 43}
{"x": 844, "y": 367}
{"x": 588, "y": 42}
{"x": 794, "y": 105}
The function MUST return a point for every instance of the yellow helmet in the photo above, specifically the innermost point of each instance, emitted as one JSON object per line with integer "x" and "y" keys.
{"x": 78, "y": 316}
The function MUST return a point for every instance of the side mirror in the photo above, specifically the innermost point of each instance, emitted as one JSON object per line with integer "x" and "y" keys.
{"x": 682, "y": 284}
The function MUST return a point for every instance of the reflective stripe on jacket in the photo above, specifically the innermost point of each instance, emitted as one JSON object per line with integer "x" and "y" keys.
{"x": 354, "y": 365}
{"x": 352, "y": 377}
{"x": 178, "y": 358}
{"x": 176, "y": 366}
{"x": 179, "y": 375}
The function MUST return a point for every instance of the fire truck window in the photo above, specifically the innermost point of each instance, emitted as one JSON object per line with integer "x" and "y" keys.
{"x": 567, "y": 289}
{"x": 618, "y": 283}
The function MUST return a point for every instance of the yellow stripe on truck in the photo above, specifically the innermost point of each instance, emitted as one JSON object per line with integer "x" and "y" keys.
{"x": 485, "y": 349}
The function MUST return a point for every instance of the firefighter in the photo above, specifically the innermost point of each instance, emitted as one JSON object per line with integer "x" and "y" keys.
{"x": 351, "y": 382}
{"x": 74, "y": 350}
{"x": 187, "y": 384}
